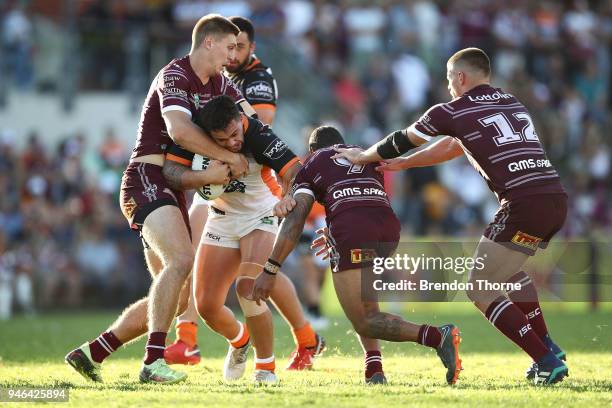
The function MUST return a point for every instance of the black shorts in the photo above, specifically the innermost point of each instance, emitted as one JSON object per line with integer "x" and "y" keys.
{"x": 360, "y": 234}
{"x": 528, "y": 223}
{"x": 143, "y": 190}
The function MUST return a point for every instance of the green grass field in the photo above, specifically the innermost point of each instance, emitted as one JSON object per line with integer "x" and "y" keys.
{"x": 32, "y": 350}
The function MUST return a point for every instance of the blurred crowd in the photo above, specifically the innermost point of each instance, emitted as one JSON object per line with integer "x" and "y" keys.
{"x": 375, "y": 66}
{"x": 61, "y": 235}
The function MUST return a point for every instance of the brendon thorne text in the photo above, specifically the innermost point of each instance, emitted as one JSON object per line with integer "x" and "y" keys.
{"x": 425, "y": 285}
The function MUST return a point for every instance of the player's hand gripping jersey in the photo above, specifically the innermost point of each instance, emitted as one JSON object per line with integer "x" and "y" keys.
{"x": 256, "y": 193}
{"x": 176, "y": 87}
{"x": 499, "y": 139}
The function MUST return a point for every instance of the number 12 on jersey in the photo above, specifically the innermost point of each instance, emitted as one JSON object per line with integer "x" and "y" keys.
{"x": 506, "y": 132}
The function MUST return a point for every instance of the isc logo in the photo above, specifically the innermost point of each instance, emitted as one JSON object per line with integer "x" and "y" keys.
{"x": 523, "y": 330}
{"x": 533, "y": 313}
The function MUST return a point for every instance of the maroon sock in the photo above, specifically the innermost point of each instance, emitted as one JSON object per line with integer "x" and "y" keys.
{"x": 526, "y": 299}
{"x": 373, "y": 363}
{"x": 429, "y": 336}
{"x": 511, "y": 321}
{"x": 103, "y": 346}
{"x": 156, "y": 344}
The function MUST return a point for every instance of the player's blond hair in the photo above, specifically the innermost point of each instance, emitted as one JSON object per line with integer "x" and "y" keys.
{"x": 474, "y": 58}
{"x": 211, "y": 24}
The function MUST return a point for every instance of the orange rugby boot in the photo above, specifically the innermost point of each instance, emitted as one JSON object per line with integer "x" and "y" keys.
{"x": 180, "y": 353}
{"x": 302, "y": 358}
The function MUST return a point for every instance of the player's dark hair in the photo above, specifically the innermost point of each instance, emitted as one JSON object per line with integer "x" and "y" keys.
{"x": 245, "y": 25}
{"x": 211, "y": 24}
{"x": 324, "y": 136}
{"x": 473, "y": 57}
{"x": 217, "y": 114}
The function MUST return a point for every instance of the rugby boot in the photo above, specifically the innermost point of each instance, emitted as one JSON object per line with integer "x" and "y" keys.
{"x": 80, "y": 359}
{"x": 560, "y": 354}
{"x": 180, "y": 353}
{"x": 448, "y": 351}
{"x": 302, "y": 358}
{"x": 377, "y": 379}
{"x": 159, "y": 372}
{"x": 551, "y": 370}
{"x": 235, "y": 362}
{"x": 264, "y": 377}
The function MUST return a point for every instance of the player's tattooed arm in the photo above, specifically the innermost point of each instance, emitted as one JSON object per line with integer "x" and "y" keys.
{"x": 286, "y": 240}
{"x": 181, "y": 177}
{"x": 292, "y": 227}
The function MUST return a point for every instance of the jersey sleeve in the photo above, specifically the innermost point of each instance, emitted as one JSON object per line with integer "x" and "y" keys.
{"x": 437, "y": 121}
{"x": 269, "y": 150}
{"x": 304, "y": 182}
{"x": 260, "y": 90}
{"x": 230, "y": 89}
{"x": 172, "y": 88}
{"x": 179, "y": 155}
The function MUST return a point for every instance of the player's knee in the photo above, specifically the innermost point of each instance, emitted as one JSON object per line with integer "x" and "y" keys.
{"x": 206, "y": 309}
{"x": 244, "y": 287}
{"x": 182, "y": 263}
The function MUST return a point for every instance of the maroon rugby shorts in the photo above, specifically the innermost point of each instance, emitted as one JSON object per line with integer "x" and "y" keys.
{"x": 528, "y": 223}
{"x": 360, "y": 234}
{"x": 143, "y": 190}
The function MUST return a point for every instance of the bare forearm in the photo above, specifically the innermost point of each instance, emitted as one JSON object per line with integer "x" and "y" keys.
{"x": 441, "y": 151}
{"x": 291, "y": 229}
{"x": 193, "y": 139}
{"x": 180, "y": 177}
{"x": 288, "y": 177}
{"x": 265, "y": 115}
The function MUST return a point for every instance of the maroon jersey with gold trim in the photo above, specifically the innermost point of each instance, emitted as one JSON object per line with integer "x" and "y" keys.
{"x": 340, "y": 185}
{"x": 176, "y": 87}
{"x": 498, "y": 138}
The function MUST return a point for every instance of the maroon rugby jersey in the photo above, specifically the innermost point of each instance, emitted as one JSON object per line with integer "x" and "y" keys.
{"x": 176, "y": 87}
{"x": 340, "y": 185}
{"x": 498, "y": 138}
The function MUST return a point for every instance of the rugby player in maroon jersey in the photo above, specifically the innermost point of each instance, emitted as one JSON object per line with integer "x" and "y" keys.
{"x": 496, "y": 133}
{"x": 258, "y": 87}
{"x": 360, "y": 219}
{"x": 156, "y": 210}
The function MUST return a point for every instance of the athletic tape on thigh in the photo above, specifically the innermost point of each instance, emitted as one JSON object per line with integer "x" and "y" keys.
{"x": 249, "y": 307}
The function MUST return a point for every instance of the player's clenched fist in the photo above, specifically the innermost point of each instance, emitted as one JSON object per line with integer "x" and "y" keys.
{"x": 284, "y": 206}
{"x": 218, "y": 172}
{"x": 239, "y": 166}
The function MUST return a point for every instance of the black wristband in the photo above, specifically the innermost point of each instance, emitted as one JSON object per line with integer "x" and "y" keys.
{"x": 273, "y": 262}
{"x": 271, "y": 267}
{"x": 394, "y": 145}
